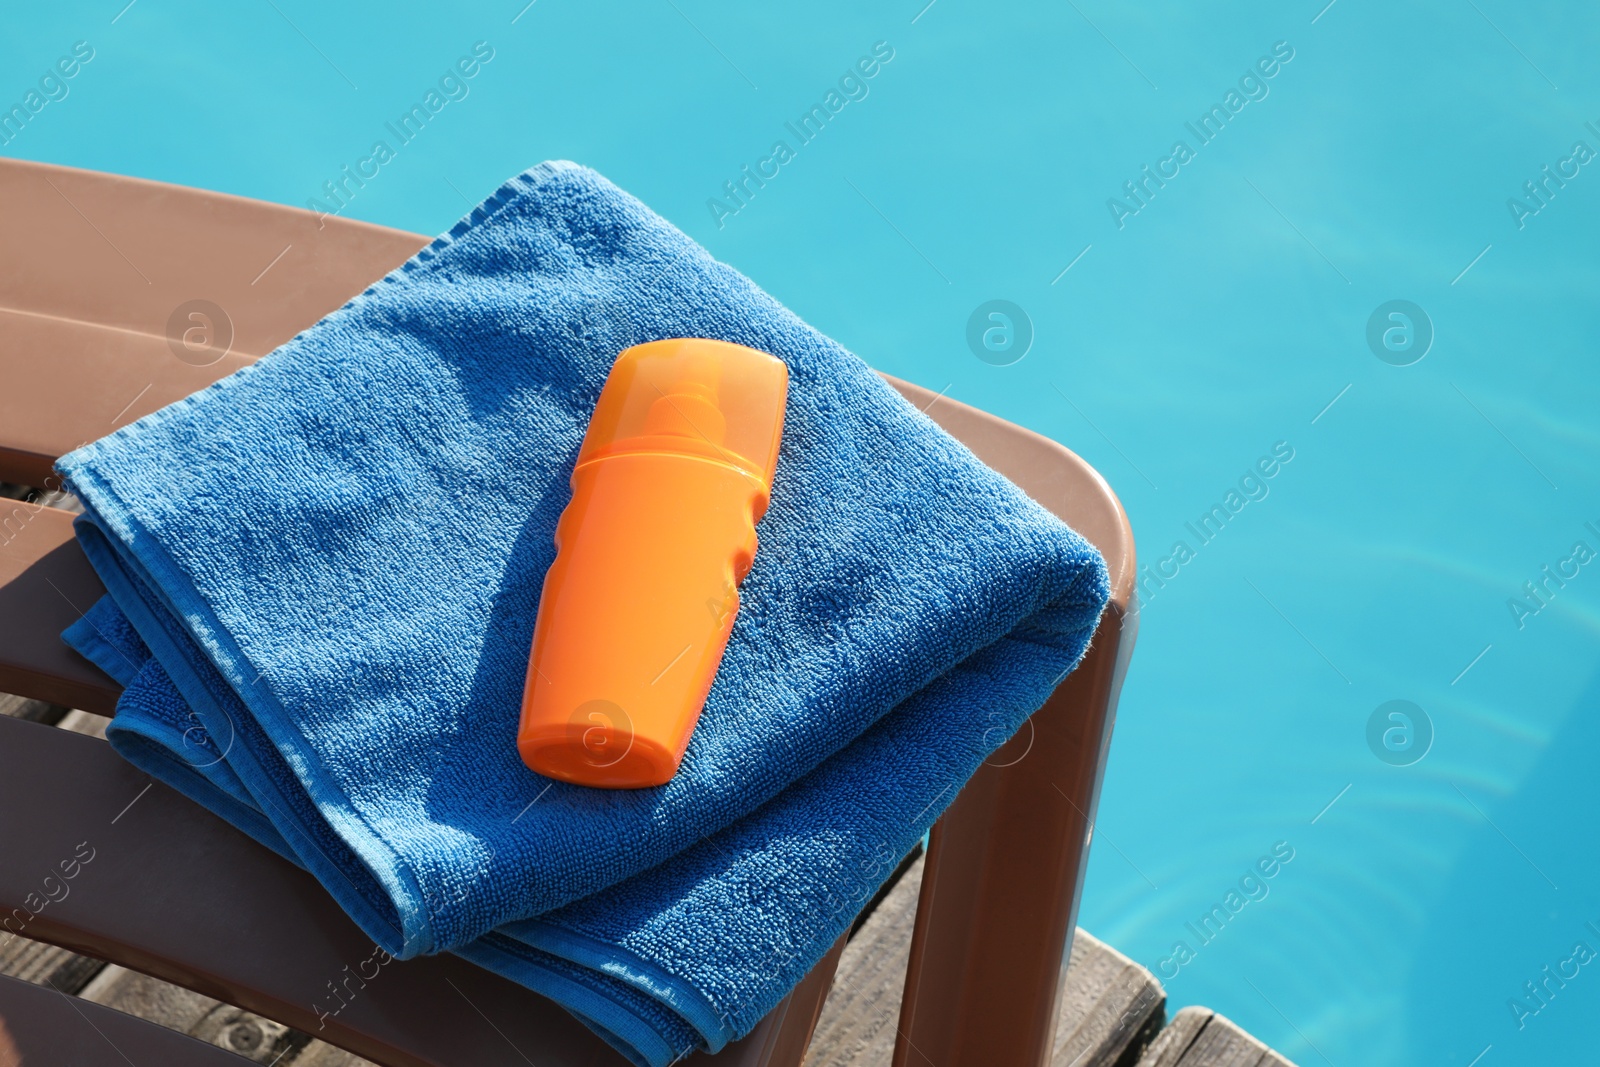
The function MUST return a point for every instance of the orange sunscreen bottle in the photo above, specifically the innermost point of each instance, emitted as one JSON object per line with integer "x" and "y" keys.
{"x": 674, "y": 472}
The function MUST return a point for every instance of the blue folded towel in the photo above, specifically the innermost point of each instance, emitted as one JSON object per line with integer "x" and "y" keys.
{"x": 323, "y": 576}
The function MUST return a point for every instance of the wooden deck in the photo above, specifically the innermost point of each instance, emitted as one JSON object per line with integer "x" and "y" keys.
{"x": 1112, "y": 1009}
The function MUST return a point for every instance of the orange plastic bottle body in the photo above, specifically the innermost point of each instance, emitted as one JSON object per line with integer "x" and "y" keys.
{"x": 637, "y": 607}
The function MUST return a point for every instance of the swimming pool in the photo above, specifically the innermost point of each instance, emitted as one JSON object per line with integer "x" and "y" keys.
{"x": 1334, "y": 355}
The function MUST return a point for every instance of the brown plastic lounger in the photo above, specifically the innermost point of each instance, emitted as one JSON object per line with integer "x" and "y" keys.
{"x": 100, "y": 279}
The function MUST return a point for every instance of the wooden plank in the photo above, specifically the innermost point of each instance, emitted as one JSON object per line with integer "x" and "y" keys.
{"x": 247, "y": 1034}
{"x": 149, "y": 998}
{"x": 31, "y": 710}
{"x": 318, "y": 1054}
{"x": 1109, "y": 1004}
{"x": 85, "y": 722}
{"x": 1199, "y": 1037}
{"x": 241, "y": 1032}
{"x": 41, "y": 964}
{"x": 1169, "y": 1047}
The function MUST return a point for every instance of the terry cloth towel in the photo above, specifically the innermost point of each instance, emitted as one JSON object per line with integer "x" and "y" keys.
{"x": 324, "y": 572}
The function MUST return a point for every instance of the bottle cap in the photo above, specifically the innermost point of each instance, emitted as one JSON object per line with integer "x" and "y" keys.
{"x": 690, "y": 396}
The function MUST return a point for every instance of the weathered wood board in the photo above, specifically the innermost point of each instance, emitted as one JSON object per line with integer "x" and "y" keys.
{"x": 1199, "y": 1037}
{"x": 1108, "y": 1004}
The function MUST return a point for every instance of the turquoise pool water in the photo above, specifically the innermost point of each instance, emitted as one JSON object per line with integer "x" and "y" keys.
{"x": 1224, "y": 328}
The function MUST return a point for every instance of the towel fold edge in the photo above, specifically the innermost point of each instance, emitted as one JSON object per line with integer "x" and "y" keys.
{"x": 405, "y": 934}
